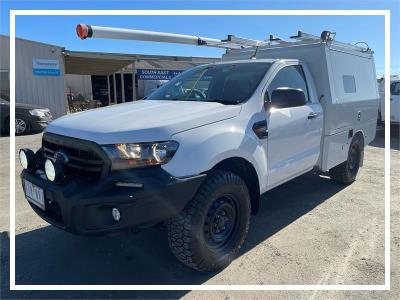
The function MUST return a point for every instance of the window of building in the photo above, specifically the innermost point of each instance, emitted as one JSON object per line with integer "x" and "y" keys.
{"x": 5, "y": 85}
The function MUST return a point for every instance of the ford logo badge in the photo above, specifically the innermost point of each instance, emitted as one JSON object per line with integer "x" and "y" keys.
{"x": 61, "y": 156}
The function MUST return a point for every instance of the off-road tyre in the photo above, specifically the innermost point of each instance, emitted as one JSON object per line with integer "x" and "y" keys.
{"x": 346, "y": 172}
{"x": 194, "y": 237}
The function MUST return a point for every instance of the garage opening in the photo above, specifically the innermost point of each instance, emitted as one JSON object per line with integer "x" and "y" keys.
{"x": 100, "y": 88}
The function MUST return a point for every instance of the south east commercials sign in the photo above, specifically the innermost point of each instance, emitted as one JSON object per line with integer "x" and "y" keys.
{"x": 46, "y": 67}
{"x": 148, "y": 74}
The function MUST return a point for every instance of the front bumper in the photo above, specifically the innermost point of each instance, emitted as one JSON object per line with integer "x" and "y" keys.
{"x": 39, "y": 125}
{"x": 86, "y": 208}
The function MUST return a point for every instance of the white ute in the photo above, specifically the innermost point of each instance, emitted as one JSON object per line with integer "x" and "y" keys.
{"x": 197, "y": 153}
{"x": 394, "y": 101}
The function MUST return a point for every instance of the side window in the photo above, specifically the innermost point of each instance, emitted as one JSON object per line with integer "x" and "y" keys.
{"x": 395, "y": 88}
{"x": 349, "y": 84}
{"x": 289, "y": 77}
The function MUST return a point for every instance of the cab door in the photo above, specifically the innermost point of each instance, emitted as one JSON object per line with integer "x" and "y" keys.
{"x": 294, "y": 131}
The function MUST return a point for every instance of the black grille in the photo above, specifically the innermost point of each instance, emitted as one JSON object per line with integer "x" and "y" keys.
{"x": 84, "y": 157}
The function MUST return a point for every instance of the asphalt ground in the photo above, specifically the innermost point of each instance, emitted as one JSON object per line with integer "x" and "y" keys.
{"x": 308, "y": 231}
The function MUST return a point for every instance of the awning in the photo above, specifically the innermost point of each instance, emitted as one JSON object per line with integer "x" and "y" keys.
{"x": 97, "y": 63}
{"x": 165, "y": 65}
{"x": 86, "y": 63}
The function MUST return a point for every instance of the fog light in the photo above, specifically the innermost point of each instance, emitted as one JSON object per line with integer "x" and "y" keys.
{"x": 54, "y": 170}
{"x": 50, "y": 170}
{"x": 116, "y": 214}
{"x": 27, "y": 158}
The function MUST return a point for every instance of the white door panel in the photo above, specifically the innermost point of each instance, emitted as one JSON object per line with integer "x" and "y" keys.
{"x": 293, "y": 141}
{"x": 294, "y": 132}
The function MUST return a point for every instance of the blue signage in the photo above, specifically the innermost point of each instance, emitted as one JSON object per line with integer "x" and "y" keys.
{"x": 148, "y": 74}
{"x": 46, "y": 72}
{"x": 46, "y": 67}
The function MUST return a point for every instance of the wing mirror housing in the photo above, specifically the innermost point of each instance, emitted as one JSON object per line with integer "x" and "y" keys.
{"x": 286, "y": 97}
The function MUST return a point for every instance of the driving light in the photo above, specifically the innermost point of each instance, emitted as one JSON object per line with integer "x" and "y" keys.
{"x": 54, "y": 170}
{"x": 27, "y": 158}
{"x": 138, "y": 155}
{"x": 50, "y": 170}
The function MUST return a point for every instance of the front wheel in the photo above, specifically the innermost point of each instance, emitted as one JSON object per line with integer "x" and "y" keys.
{"x": 21, "y": 125}
{"x": 208, "y": 233}
{"x": 347, "y": 171}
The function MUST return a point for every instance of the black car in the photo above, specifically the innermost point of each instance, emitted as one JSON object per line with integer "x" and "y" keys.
{"x": 27, "y": 117}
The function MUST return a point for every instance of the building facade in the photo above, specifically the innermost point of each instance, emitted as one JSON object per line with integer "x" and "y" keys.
{"x": 39, "y": 74}
{"x": 53, "y": 77}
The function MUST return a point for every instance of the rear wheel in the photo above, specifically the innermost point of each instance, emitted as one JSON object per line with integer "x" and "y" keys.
{"x": 347, "y": 171}
{"x": 208, "y": 233}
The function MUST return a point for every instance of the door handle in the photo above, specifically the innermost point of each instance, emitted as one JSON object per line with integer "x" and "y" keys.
{"x": 312, "y": 115}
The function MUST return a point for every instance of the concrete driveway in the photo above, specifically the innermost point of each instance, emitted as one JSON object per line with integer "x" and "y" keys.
{"x": 308, "y": 231}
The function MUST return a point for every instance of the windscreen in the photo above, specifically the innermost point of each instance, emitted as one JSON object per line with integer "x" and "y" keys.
{"x": 224, "y": 83}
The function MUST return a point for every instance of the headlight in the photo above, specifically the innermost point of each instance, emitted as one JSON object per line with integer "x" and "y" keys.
{"x": 138, "y": 155}
{"x": 39, "y": 112}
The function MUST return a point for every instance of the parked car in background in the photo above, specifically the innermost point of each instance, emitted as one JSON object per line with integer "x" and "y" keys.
{"x": 27, "y": 117}
{"x": 394, "y": 101}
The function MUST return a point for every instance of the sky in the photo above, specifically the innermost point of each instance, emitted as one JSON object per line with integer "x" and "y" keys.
{"x": 60, "y": 30}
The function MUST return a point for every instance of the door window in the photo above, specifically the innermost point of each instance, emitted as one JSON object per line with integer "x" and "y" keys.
{"x": 289, "y": 77}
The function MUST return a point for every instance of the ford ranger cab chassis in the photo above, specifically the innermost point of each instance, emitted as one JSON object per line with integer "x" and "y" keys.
{"x": 198, "y": 152}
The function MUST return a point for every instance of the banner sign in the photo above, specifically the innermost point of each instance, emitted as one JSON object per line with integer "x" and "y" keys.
{"x": 147, "y": 74}
{"x": 46, "y": 67}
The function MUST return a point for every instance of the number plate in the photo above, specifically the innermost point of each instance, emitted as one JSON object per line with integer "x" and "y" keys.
{"x": 34, "y": 194}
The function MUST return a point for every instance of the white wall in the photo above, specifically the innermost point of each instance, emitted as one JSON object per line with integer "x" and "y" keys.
{"x": 79, "y": 84}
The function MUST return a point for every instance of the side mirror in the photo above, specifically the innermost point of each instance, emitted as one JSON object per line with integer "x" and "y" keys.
{"x": 287, "y": 97}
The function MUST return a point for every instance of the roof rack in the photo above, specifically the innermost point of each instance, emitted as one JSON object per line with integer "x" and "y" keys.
{"x": 325, "y": 36}
{"x": 277, "y": 40}
{"x": 244, "y": 42}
